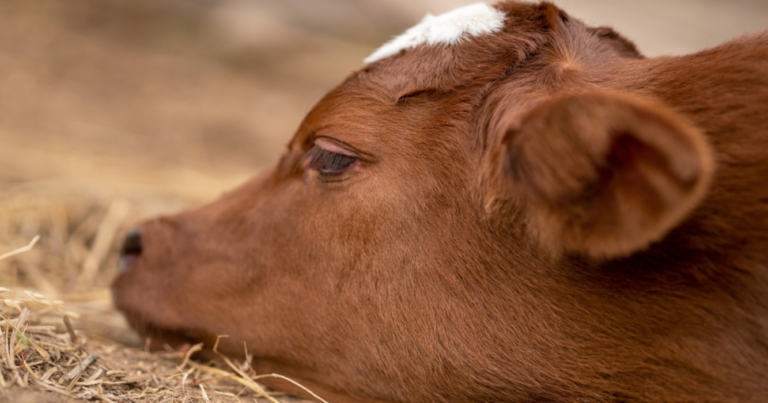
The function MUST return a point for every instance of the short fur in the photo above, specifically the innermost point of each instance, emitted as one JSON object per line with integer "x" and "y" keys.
{"x": 536, "y": 215}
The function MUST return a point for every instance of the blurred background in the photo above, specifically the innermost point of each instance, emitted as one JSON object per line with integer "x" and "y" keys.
{"x": 116, "y": 110}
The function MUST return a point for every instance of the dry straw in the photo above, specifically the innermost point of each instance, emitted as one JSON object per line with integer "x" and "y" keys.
{"x": 77, "y": 346}
{"x": 38, "y": 352}
{"x": 21, "y": 250}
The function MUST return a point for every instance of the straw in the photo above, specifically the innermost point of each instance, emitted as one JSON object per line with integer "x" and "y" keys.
{"x": 21, "y": 250}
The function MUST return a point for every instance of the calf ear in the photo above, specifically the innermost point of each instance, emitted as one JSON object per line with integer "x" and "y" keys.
{"x": 606, "y": 174}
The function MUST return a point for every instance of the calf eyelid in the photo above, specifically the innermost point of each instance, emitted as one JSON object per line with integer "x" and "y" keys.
{"x": 334, "y": 146}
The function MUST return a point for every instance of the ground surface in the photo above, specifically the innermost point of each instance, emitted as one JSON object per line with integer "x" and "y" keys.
{"x": 116, "y": 110}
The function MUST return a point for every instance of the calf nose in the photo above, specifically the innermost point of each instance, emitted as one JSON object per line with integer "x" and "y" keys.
{"x": 131, "y": 250}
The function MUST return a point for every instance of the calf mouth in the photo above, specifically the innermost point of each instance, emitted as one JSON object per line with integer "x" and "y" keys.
{"x": 161, "y": 338}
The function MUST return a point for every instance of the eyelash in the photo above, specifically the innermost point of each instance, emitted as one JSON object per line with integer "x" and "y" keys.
{"x": 328, "y": 163}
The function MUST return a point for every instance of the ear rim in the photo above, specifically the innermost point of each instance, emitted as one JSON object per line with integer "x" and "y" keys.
{"x": 541, "y": 215}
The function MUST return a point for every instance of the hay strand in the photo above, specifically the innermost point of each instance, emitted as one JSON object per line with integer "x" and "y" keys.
{"x": 70, "y": 330}
{"x": 105, "y": 234}
{"x": 78, "y": 370}
{"x": 285, "y": 378}
{"x": 22, "y": 249}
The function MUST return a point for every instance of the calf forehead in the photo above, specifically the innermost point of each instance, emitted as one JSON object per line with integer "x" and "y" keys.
{"x": 465, "y": 47}
{"x": 434, "y": 54}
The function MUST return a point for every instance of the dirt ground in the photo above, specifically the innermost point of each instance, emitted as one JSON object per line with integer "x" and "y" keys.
{"x": 116, "y": 110}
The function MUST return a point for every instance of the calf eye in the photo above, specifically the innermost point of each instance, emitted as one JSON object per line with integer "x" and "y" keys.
{"x": 328, "y": 163}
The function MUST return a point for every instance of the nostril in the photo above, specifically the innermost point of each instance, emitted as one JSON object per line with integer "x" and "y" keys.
{"x": 131, "y": 250}
{"x": 132, "y": 244}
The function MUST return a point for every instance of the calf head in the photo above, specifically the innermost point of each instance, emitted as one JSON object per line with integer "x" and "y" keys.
{"x": 503, "y": 205}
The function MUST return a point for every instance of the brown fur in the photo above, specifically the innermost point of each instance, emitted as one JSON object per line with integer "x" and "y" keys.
{"x": 536, "y": 215}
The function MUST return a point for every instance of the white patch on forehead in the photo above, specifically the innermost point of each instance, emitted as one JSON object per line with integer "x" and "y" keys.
{"x": 449, "y": 29}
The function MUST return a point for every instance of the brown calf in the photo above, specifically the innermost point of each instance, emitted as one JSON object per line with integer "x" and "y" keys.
{"x": 528, "y": 211}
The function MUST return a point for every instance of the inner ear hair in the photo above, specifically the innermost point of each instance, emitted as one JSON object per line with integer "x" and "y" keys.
{"x": 606, "y": 174}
